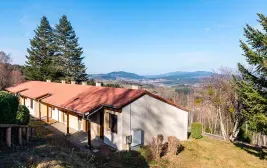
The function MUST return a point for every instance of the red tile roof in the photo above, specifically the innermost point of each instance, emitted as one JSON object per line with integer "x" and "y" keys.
{"x": 80, "y": 98}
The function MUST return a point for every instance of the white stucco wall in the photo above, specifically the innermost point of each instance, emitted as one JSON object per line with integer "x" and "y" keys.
{"x": 28, "y": 105}
{"x": 153, "y": 117}
{"x": 114, "y": 139}
{"x": 73, "y": 122}
{"x": 55, "y": 114}
{"x": 60, "y": 119}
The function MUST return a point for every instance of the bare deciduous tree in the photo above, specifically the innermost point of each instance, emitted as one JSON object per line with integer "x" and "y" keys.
{"x": 218, "y": 92}
{"x": 8, "y": 76}
{"x": 5, "y": 61}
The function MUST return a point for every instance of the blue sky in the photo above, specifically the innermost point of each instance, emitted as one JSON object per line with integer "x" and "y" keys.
{"x": 140, "y": 36}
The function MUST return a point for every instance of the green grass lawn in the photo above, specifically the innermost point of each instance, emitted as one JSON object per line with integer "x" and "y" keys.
{"x": 210, "y": 153}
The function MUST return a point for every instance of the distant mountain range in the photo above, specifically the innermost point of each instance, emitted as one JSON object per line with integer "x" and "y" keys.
{"x": 117, "y": 75}
{"x": 181, "y": 74}
{"x": 179, "y": 77}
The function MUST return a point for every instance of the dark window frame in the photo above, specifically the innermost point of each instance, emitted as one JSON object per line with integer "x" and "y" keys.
{"x": 31, "y": 103}
{"x": 113, "y": 123}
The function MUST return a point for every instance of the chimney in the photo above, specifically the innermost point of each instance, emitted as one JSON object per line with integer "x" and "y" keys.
{"x": 98, "y": 84}
{"x": 48, "y": 80}
{"x": 84, "y": 83}
{"x": 72, "y": 82}
{"x": 63, "y": 81}
{"x": 136, "y": 87}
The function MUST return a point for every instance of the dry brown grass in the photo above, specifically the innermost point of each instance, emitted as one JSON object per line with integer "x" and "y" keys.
{"x": 49, "y": 150}
{"x": 210, "y": 153}
{"x": 44, "y": 151}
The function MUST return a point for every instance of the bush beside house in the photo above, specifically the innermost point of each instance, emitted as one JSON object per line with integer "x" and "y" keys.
{"x": 196, "y": 130}
{"x": 23, "y": 115}
{"x": 157, "y": 149}
{"x": 8, "y": 108}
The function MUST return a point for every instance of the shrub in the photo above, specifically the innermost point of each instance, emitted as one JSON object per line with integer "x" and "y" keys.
{"x": 243, "y": 136}
{"x": 156, "y": 147}
{"x": 207, "y": 130}
{"x": 23, "y": 115}
{"x": 145, "y": 152}
{"x": 174, "y": 145}
{"x": 8, "y": 108}
{"x": 196, "y": 130}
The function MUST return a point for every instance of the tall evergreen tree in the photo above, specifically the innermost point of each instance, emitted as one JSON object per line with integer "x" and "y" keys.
{"x": 69, "y": 53}
{"x": 39, "y": 64}
{"x": 252, "y": 91}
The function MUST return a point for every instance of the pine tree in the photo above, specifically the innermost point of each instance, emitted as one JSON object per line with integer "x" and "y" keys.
{"x": 252, "y": 90}
{"x": 39, "y": 64}
{"x": 68, "y": 51}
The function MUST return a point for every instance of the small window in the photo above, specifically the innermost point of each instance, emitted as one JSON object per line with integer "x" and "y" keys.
{"x": 31, "y": 103}
{"x": 113, "y": 122}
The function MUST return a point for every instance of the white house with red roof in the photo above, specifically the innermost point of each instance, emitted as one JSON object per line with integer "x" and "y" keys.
{"x": 119, "y": 117}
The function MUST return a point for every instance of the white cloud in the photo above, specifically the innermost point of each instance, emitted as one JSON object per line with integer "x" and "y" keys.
{"x": 207, "y": 29}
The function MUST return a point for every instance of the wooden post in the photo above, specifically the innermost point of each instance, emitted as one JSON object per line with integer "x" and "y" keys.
{"x": 84, "y": 125}
{"x": 68, "y": 124}
{"x": 89, "y": 134}
{"x": 8, "y": 136}
{"x": 47, "y": 115}
{"x": 27, "y": 134}
{"x": 19, "y": 136}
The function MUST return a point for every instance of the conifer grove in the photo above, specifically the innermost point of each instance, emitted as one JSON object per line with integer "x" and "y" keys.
{"x": 55, "y": 53}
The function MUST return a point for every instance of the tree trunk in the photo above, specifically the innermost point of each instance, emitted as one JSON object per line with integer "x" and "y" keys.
{"x": 215, "y": 125}
{"x": 222, "y": 125}
{"x": 235, "y": 130}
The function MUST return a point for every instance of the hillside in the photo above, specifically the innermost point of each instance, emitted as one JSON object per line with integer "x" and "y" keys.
{"x": 181, "y": 74}
{"x": 210, "y": 153}
{"x": 50, "y": 150}
{"x": 170, "y": 78}
{"x": 117, "y": 75}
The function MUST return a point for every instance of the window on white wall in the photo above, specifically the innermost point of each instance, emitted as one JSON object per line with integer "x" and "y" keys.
{"x": 113, "y": 122}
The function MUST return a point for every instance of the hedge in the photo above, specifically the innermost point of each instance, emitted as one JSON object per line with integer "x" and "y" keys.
{"x": 196, "y": 130}
{"x": 23, "y": 115}
{"x": 8, "y": 108}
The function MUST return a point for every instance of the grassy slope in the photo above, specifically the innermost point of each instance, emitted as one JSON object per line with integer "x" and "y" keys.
{"x": 45, "y": 150}
{"x": 50, "y": 150}
{"x": 211, "y": 153}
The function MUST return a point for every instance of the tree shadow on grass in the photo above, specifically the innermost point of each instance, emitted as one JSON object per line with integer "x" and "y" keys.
{"x": 257, "y": 151}
{"x": 129, "y": 159}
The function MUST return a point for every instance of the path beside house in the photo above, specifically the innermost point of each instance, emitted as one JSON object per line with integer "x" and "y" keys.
{"x": 79, "y": 138}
